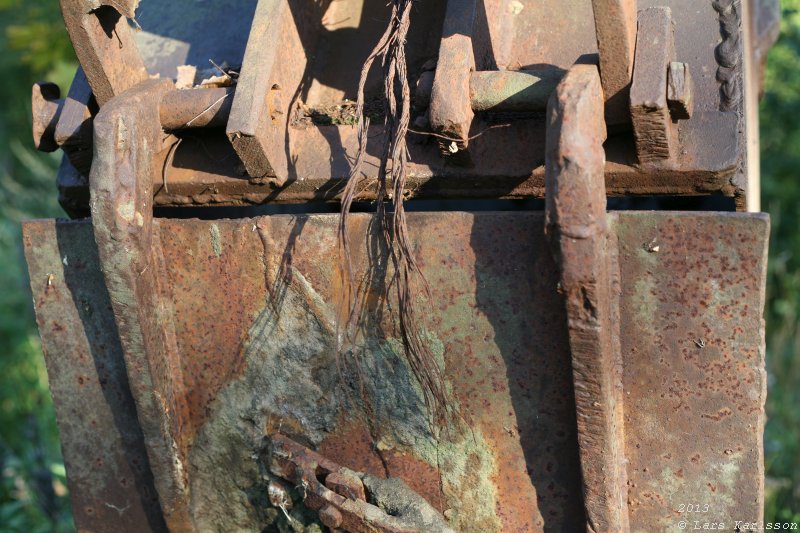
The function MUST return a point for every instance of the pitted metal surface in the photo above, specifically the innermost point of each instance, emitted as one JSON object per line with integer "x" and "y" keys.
{"x": 497, "y": 320}
{"x": 108, "y": 469}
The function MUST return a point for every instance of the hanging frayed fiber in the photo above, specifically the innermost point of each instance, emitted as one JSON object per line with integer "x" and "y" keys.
{"x": 391, "y": 185}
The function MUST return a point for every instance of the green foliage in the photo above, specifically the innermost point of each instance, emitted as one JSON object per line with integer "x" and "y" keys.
{"x": 780, "y": 161}
{"x": 34, "y": 45}
{"x": 33, "y": 496}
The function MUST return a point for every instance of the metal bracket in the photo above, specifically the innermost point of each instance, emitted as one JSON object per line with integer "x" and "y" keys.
{"x": 661, "y": 90}
{"x": 127, "y": 135}
{"x": 258, "y": 141}
{"x": 615, "y": 26}
{"x": 586, "y": 251}
{"x": 451, "y": 110}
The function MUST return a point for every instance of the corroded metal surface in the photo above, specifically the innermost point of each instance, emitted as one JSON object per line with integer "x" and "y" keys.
{"x": 508, "y": 161}
{"x": 615, "y": 27}
{"x": 491, "y": 318}
{"x": 200, "y": 171}
{"x": 655, "y": 136}
{"x": 450, "y": 109}
{"x": 254, "y": 306}
{"x": 103, "y": 42}
{"x": 693, "y": 352}
{"x": 108, "y": 469}
{"x": 126, "y": 135}
{"x": 585, "y": 250}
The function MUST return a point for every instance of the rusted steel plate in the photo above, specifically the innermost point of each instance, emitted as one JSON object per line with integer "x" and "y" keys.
{"x": 693, "y": 352}
{"x": 491, "y": 318}
{"x": 254, "y": 305}
{"x": 200, "y": 172}
{"x": 585, "y": 249}
{"x": 111, "y": 485}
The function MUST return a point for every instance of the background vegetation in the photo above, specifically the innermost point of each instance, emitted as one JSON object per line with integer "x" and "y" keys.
{"x": 33, "y": 494}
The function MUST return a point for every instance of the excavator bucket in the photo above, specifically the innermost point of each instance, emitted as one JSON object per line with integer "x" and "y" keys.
{"x": 581, "y": 201}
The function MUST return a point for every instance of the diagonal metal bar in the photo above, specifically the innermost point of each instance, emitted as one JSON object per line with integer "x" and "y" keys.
{"x": 255, "y": 123}
{"x": 104, "y": 44}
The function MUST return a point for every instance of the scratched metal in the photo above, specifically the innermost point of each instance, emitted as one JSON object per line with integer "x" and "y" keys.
{"x": 694, "y": 380}
{"x": 108, "y": 472}
{"x": 254, "y": 303}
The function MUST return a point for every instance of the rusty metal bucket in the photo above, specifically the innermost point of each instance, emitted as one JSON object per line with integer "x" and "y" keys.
{"x": 606, "y": 368}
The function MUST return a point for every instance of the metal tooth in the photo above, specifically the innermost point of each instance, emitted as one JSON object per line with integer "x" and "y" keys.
{"x": 586, "y": 250}
{"x": 615, "y": 26}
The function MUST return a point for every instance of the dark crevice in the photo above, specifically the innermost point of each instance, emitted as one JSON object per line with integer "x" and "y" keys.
{"x": 627, "y": 203}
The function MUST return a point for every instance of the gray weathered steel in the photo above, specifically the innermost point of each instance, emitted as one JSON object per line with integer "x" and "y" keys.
{"x": 680, "y": 91}
{"x": 510, "y": 91}
{"x": 73, "y": 131}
